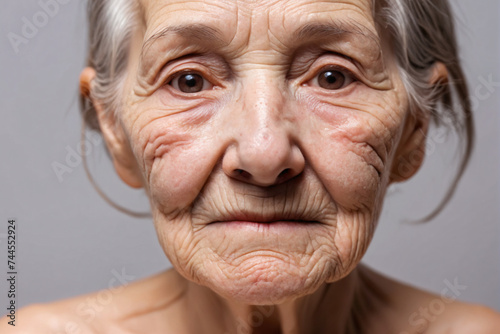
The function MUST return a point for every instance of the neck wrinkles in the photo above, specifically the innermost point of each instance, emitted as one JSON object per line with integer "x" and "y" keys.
{"x": 328, "y": 310}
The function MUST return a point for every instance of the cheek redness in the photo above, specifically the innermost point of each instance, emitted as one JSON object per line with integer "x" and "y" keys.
{"x": 163, "y": 151}
{"x": 160, "y": 139}
{"x": 180, "y": 167}
{"x": 350, "y": 170}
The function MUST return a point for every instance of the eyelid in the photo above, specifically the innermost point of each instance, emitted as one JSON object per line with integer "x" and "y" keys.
{"x": 311, "y": 64}
{"x": 212, "y": 70}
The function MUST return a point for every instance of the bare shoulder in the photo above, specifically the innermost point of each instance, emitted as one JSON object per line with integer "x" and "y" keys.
{"x": 463, "y": 318}
{"x": 43, "y": 319}
{"x": 103, "y": 311}
{"x": 413, "y": 310}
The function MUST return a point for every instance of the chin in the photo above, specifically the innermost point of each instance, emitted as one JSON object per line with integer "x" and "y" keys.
{"x": 266, "y": 281}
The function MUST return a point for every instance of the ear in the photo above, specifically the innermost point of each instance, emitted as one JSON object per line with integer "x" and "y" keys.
{"x": 116, "y": 141}
{"x": 411, "y": 149}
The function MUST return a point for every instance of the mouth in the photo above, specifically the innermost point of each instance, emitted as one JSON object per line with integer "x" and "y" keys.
{"x": 250, "y": 231}
{"x": 260, "y": 222}
{"x": 260, "y": 218}
{"x": 264, "y": 226}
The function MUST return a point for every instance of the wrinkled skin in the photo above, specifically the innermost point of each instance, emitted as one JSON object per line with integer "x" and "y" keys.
{"x": 265, "y": 134}
{"x": 264, "y": 140}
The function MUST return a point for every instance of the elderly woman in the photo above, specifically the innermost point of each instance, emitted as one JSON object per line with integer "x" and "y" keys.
{"x": 265, "y": 134}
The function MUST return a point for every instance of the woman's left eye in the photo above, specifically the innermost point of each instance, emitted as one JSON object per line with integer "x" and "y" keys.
{"x": 333, "y": 79}
{"x": 190, "y": 82}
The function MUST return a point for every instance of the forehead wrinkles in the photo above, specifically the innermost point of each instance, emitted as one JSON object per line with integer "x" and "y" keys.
{"x": 220, "y": 13}
{"x": 359, "y": 11}
{"x": 264, "y": 23}
{"x": 249, "y": 22}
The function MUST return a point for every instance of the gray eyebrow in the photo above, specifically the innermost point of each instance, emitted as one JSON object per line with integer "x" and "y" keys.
{"x": 205, "y": 34}
{"x": 210, "y": 37}
{"x": 313, "y": 31}
{"x": 200, "y": 33}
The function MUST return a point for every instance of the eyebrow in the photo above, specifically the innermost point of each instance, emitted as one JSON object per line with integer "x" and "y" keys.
{"x": 199, "y": 33}
{"x": 315, "y": 31}
{"x": 206, "y": 34}
{"x": 212, "y": 38}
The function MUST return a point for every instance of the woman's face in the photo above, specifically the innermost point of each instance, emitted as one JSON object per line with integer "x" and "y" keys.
{"x": 265, "y": 133}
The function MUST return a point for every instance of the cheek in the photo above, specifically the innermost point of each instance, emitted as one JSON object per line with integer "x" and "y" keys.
{"x": 350, "y": 159}
{"x": 347, "y": 171}
{"x": 350, "y": 147}
{"x": 176, "y": 157}
{"x": 177, "y": 240}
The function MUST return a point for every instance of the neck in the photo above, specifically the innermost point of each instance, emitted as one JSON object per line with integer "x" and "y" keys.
{"x": 328, "y": 310}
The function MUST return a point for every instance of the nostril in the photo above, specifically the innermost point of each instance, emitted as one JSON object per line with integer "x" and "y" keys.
{"x": 242, "y": 173}
{"x": 284, "y": 173}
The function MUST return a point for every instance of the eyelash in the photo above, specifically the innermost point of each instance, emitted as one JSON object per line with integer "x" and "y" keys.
{"x": 313, "y": 80}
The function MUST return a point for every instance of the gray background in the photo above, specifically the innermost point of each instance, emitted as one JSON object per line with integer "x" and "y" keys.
{"x": 71, "y": 242}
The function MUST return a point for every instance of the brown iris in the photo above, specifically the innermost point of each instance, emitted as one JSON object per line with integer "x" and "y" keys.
{"x": 331, "y": 79}
{"x": 190, "y": 83}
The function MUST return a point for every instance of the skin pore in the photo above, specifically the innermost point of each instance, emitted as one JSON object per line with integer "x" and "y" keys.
{"x": 265, "y": 134}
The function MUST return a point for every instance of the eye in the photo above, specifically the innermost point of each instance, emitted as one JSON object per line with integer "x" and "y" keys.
{"x": 333, "y": 79}
{"x": 190, "y": 82}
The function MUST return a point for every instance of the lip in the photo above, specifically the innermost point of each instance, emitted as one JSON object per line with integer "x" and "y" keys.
{"x": 280, "y": 221}
{"x": 264, "y": 218}
{"x": 263, "y": 226}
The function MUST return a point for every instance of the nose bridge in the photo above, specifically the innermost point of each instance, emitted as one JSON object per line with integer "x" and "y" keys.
{"x": 265, "y": 129}
{"x": 263, "y": 101}
{"x": 263, "y": 152}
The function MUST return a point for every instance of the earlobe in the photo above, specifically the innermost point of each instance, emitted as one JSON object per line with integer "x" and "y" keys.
{"x": 118, "y": 146}
{"x": 86, "y": 77}
{"x": 410, "y": 156}
{"x": 411, "y": 150}
{"x": 439, "y": 74}
{"x": 128, "y": 171}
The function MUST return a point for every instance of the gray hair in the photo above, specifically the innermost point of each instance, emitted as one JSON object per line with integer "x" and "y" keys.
{"x": 422, "y": 34}
{"x": 111, "y": 26}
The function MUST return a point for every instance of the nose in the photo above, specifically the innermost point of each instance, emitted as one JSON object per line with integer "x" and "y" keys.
{"x": 263, "y": 151}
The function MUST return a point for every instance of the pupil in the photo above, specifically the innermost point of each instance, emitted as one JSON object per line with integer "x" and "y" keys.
{"x": 191, "y": 83}
{"x": 190, "y": 80}
{"x": 330, "y": 78}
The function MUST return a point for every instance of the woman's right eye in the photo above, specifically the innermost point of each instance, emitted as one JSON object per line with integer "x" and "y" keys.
{"x": 190, "y": 82}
